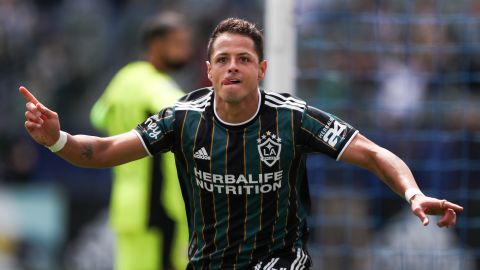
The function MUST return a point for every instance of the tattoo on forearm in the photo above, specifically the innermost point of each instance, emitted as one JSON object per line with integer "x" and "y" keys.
{"x": 87, "y": 151}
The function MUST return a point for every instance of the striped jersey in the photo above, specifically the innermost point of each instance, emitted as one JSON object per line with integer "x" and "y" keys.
{"x": 244, "y": 185}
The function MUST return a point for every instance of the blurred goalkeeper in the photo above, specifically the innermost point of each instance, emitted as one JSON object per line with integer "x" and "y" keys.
{"x": 240, "y": 154}
{"x": 147, "y": 212}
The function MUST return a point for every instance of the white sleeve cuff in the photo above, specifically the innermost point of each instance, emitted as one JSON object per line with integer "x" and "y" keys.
{"x": 346, "y": 145}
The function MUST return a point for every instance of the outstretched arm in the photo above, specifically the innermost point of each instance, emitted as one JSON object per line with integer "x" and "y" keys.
{"x": 43, "y": 125}
{"x": 396, "y": 174}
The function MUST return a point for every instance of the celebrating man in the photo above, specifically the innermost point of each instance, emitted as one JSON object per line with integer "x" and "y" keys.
{"x": 240, "y": 156}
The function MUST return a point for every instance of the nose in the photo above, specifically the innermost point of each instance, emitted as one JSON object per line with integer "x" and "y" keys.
{"x": 232, "y": 68}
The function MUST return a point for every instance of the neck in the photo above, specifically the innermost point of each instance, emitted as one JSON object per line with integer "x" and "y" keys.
{"x": 237, "y": 113}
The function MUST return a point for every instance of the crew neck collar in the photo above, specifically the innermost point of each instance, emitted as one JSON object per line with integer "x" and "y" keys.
{"x": 241, "y": 124}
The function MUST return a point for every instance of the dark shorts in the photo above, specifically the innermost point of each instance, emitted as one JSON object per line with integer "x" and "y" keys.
{"x": 295, "y": 259}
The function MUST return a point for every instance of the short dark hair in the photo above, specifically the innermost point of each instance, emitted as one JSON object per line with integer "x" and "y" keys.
{"x": 241, "y": 27}
{"x": 161, "y": 24}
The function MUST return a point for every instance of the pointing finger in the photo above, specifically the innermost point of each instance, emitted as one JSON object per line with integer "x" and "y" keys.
{"x": 28, "y": 96}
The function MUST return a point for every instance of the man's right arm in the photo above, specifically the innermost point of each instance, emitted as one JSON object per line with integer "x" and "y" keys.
{"x": 95, "y": 152}
{"x": 43, "y": 125}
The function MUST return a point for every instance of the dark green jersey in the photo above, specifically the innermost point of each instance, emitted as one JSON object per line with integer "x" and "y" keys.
{"x": 244, "y": 185}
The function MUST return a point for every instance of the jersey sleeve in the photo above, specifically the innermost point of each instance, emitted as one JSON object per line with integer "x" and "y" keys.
{"x": 157, "y": 132}
{"x": 325, "y": 133}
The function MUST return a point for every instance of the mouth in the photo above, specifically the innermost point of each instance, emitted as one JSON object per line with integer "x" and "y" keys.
{"x": 230, "y": 81}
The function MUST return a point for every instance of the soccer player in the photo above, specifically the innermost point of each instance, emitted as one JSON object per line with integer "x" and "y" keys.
{"x": 240, "y": 155}
{"x": 147, "y": 212}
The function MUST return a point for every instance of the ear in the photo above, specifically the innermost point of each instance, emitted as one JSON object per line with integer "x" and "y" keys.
{"x": 209, "y": 69}
{"x": 262, "y": 69}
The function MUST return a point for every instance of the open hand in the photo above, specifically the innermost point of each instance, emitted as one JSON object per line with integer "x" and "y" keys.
{"x": 41, "y": 123}
{"x": 423, "y": 206}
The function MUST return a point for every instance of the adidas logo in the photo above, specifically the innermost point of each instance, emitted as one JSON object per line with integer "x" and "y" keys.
{"x": 201, "y": 154}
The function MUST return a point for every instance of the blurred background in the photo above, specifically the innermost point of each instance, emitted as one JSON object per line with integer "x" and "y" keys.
{"x": 405, "y": 73}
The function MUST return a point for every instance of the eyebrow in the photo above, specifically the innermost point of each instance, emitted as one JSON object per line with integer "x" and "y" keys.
{"x": 238, "y": 54}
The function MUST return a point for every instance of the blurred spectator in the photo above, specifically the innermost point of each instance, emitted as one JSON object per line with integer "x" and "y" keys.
{"x": 401, "y": 95}
{"x": 412, "y": 72}
{"x": 414, "y": 247}
{"x": 22, "y": 160}
{"x": 93, "y": 249}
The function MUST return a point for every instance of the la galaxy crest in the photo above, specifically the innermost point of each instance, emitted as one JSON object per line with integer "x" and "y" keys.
{"x": 269, "y": 148}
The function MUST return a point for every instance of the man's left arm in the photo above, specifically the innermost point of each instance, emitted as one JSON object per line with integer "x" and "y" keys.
{"x": 396, "y": 174}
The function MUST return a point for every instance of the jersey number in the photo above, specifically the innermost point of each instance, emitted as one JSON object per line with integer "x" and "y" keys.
{"x": 332, "y": 134}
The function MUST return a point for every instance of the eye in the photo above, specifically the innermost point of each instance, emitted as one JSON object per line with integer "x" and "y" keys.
{"x": 221, "y": 60}
{"x": 244, "y": 59}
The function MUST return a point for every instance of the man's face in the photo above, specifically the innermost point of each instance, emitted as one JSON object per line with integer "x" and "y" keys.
{"x": 234, "y": 68}
{"x": 176, "y": 48}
